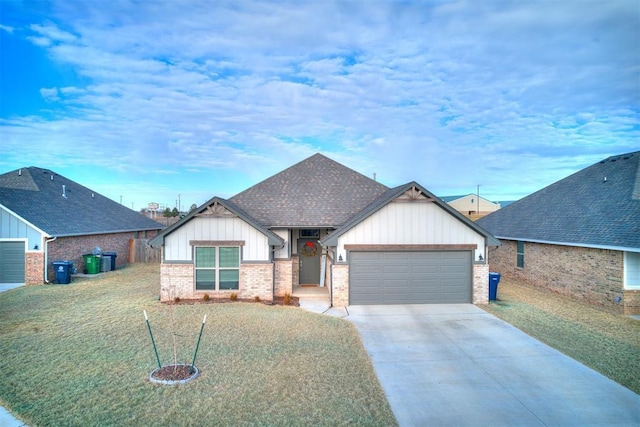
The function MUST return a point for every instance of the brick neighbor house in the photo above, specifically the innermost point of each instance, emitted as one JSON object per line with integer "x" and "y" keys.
{"x": 45, "y": 217}
{"x": 319, "y": 223}
{"x": 578, "y": 237}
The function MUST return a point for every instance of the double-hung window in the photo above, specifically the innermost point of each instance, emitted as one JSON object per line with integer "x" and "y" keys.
{"x": 217, "y": 267}
{"x": 520, "y": 255}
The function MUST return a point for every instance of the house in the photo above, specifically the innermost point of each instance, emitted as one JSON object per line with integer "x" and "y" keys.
{"x": 45, "y": 217}
{"x": 319, "y": 223}
{"x": 578, "y": 237}
{"x": 471, "y": 205}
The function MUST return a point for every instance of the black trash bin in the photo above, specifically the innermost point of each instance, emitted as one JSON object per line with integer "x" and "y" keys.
{"x": 494, "y": 279}
{"x": 63, "y": 272}
{"x": 113, "y": 256}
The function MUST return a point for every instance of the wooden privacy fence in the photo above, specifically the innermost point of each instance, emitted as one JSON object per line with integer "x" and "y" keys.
{"x": 140, "y": 251}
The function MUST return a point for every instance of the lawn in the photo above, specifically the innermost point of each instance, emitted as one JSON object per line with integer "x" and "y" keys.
{"x": 606, "y": 342}
{"x": 80, "y": 354}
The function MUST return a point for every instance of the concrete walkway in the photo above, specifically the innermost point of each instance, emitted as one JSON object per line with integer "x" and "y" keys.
{"x": 444, "y": 365}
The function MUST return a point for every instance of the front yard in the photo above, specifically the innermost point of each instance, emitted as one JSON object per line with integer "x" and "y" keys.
{"x": 606, "y": 342}
{"x": 80, "y": 354}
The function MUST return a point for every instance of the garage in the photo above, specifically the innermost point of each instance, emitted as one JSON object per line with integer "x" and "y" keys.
{"x": 397, "y": 277}
{"x": 12, "y": 262}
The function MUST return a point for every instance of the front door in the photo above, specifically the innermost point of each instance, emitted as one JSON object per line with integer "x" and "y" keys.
{"x": 309, "y": 252}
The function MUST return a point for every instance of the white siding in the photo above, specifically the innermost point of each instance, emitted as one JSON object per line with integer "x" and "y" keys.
{"x": 13, "y": 227}
{"x": 407, "y": 223}
{"x": 177, "y": 247}
{"x": 284, "y": 252}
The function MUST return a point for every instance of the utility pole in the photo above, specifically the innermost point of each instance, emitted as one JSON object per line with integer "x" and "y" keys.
{"x": 179, "y": 210}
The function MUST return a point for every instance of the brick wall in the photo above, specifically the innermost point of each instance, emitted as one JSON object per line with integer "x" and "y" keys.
{"x": 340, "y": 283}
{"x": 631, "y": 302}
{"x": 594, "y": 276}
{"x": 284, "y": 277}
{"x": 72, "y": 248}
{"x": 480, "y": 283}
{"x": 177, "y": 280}
{"x": 34, "y": 264}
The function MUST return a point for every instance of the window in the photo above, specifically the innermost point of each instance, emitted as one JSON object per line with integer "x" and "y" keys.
{"x": 217, "y": 268}
{"x": 520, "y": 255}
{"x": 310, "y": 233}
{"x": 631, "y": 270}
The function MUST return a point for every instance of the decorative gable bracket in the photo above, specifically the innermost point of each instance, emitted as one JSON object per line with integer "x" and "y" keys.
{"x": 216, "y": 210}
{"x": 414, "y": 194}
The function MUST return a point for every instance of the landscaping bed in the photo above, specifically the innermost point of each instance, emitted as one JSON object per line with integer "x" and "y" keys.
{"x": 606, "y": 342}
{"x": 80, "y": 354}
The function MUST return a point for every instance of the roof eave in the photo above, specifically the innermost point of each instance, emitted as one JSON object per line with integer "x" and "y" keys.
{"x": 574, "y": 244}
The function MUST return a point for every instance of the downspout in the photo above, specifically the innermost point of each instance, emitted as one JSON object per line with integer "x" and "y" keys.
{"x": 46, "y": 258}
{"x": 273, "y": 278}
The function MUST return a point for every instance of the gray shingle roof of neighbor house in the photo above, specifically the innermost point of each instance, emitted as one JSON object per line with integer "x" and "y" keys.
{"x": 390, "y": 195}
{"x": 61, "y": 207}
{"x": 598, "y": 206}
{"x": 273, "y": 238}
{"x": 316, "y": 192}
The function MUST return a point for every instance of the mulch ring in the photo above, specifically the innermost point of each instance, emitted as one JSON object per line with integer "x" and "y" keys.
{"x": 173, "y": 374}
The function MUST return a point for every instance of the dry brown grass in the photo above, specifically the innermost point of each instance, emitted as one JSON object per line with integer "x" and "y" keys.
{"x": 80, "y": 355}
{"x": 606, "y": 342}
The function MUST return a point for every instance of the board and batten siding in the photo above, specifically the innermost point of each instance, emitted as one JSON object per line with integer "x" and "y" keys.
{"x": 13, "y": 227}
{"x": 412, "y": 223}
{"x": 177, "y": 246}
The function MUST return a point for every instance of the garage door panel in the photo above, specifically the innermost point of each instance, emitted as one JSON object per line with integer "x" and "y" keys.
{"x": 12, "y": 262}
{"x": 410, "y": 277}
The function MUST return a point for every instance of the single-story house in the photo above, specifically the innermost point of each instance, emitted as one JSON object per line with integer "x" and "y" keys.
{"x": 471, "y": 205}
{"x": 578, "y": 237}
{"x": 45, "y": 217}
{"x": 319, "y": 223}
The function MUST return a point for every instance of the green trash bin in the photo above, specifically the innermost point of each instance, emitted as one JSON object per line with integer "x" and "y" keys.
{"x": 92, "y": 263}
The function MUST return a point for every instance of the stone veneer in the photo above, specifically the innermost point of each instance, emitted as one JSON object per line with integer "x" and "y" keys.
{"x": 594, "y": 276}
{"x": 177, "y": 281}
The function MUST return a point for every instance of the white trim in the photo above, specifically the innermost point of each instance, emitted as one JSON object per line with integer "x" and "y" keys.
{"x": 577, "y": 245}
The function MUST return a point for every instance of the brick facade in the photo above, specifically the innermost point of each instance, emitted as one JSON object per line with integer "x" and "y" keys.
{"x": 72, "y": 248}
{"x": 284, "y": 277}
{"x": 177, "y": 280}
{"x": 480, "y": 293}
{"x": 340, "y": 285}
{"x": 34, "y": 263}
{"x": 594, "y": 276}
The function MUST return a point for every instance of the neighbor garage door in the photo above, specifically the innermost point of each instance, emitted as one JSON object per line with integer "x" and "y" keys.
{"x": 12, "y": 262}
{"x": 410, "y": 277}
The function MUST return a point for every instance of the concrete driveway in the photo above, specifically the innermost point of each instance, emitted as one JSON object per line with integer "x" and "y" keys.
{"x": 445, "y": 365}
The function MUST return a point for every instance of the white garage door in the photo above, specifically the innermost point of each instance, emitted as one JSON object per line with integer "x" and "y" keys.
{"x": 12, "y": 256}
{"x": 442, "y": 277}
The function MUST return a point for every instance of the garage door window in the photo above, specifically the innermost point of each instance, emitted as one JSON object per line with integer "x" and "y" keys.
{"x": 217, "y": 268}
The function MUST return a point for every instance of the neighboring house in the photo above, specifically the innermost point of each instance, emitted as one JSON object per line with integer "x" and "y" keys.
{"x": 468, "y": 205}
{"x": 45, "y": 217}
{"x": 579, "y": 237}
{"x": 320, "y": 223}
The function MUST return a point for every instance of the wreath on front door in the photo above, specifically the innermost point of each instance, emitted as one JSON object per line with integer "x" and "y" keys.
{"x": 309, "y": 249}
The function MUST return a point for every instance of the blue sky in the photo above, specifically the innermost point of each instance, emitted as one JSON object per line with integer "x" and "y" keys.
{"x": 149, "y": 100}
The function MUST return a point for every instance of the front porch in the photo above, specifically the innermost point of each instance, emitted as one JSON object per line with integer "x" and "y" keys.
{"x": 313, "y": 298}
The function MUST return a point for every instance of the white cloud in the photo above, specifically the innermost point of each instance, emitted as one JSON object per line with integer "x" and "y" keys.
{"x": 446, "y": 93}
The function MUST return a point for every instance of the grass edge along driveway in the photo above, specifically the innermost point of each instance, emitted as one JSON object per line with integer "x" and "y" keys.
{"x": 606, "y": 342}
{"x": 80, "y": 354}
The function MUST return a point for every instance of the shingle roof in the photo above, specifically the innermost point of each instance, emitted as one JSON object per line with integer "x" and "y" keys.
{"x": 393, "y": 193}
{"x": 316, "y": 192}
{"x": 596, "y": 207}
{"x": 36, "y": 195}
{"x": 273, "y": 238}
